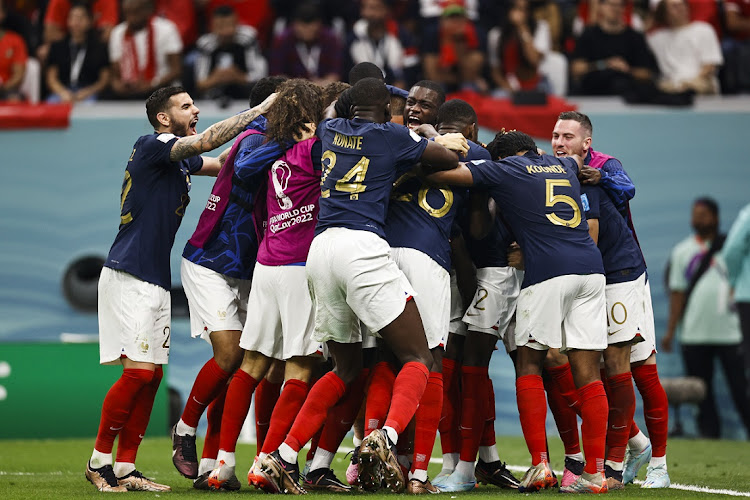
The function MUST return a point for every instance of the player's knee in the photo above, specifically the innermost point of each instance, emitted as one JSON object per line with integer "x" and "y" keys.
{"x": 229, "y": 360}
{"x": 348, "y": 371}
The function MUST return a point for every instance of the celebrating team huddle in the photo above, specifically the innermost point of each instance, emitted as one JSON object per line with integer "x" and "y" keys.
{"x": 368, "y": 261}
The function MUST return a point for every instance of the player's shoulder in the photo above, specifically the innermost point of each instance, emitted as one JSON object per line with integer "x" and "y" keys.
{"x": 477, "y": 152}
{"x": 156, "y": 140}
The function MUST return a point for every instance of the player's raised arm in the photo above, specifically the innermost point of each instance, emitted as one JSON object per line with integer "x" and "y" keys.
{"x": 218, "y": 133}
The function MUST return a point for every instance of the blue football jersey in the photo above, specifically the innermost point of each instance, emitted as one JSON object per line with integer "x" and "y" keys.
{"x": 622, "y": 257}
{"x": 233, "y": 249}
{"x": 492, "y": 250}
{"x": 152, "y": 203}
{"x": 540, "y": 199}
{"x": 421, "y": 215}
{"x": 361, "y": 160}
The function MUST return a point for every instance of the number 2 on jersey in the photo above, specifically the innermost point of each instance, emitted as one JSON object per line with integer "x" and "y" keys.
{"x": 553, "y": 199}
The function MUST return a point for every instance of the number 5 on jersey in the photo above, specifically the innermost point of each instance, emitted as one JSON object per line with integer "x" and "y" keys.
{"x": 553, "y": 199}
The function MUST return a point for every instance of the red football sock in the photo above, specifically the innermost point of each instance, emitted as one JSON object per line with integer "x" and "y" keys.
{"x": 427, "y": 418}
{"x": 379, "y": 395}
{"x": 324, "y": 394}
{"x": 292, "y": 397}
{"x": 563, "y": 378}
{"x": 594, "y": 412}
{"x": 341, "y": 417}
{"x": 208, "y": 384}
{"x": 450, "y": 439}
{"x": 621, "y": 399}
{"x": 236, "y": 408}
{"x": 117, "y": 405}
{"x": 473, "y": 410}
{"x": 488, "y": 433}
{"x": 565, "y": 417}
{"x": 655, "y": 407}
{"x": 214, "y": 414}
{"x": 134, "y": 429}
{"x": 532, "y": 411}
{"x": 266, "y": 395}
{"x": 408, "y": 389}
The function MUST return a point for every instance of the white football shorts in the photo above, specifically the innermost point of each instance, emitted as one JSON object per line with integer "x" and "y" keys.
{"x": 643, "y": 350}
{"x": 217, "y": 302}
{"x": 351, "y": 278}
{"x": 280, "y": 318}
{"x": 494, "y": 302}
{"x": 134, "y": 319}
{"x": 433, "y": 286}
{"x": 625, "y": 311}
{"x": 566, "y": 312}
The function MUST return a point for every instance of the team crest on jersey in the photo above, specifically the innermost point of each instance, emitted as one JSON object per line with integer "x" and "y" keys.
{"x": 585, "y": 202}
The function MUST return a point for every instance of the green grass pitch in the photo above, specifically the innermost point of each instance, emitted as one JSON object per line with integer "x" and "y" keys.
{"x": 53, "y": 469}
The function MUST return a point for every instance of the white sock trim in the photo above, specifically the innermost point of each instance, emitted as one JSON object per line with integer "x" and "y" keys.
{"x": 392, "y": 434}
{"x": 228, "y": 457}
{"x": 184, "y": 429}
{"x": 99, "y": 459}
{"x": 122, "y": 469}
{"x": 206, "y": 465}
{"x": 322, "y": 459}
{"x": 488, "y": 454}
{"x": 287, "y": 453}
{"x": 617, "y": 466}
{"x": 638, "y": 442}
{"x": 657, "y": 461}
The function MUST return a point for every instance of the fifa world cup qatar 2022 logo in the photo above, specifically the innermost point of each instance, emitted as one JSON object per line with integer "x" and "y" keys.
{"x": 280, "y": 173}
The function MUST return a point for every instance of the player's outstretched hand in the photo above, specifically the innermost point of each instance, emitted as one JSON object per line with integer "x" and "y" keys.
{"x": 515, "y": 257}
{"x": 455, "y": 142}
{"x": 263, "y": 107}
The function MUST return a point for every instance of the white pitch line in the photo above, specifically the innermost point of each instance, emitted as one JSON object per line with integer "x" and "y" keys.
{"x": 674, "y": 486}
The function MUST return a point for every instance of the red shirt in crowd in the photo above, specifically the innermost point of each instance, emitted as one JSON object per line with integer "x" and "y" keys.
{"x": 12, "y": 51}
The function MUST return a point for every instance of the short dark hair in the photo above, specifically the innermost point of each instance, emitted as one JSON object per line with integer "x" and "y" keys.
{"x": 365, "y": 70}
{"x": 456, "y": 111}
{"x": 709, "y": 203}
{"x": 510, "y": 143}
{"x": 307, "y": 12}
{"x": 265, "y": 87}
{"x": 584, "y": 120}
{"x": 432, "y": 85}
{"x": 80, "y": 4}
{"x": 223, "y": 11}
{"x": 158, "y": 102}
{"x": 369, "y": 92}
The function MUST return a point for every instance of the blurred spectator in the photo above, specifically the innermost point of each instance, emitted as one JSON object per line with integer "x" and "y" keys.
{"x": 737, "y": 45}
{"x": 229, "y": 57}
{"x": 22, "y": 17}
{"x": 258, "y": 13}
{"x": 453, "y": 55}
{"x": 520, "y": 54}
{"x": 708, "y": 11}
{"x": 144, "y": 51}
{"x": 106, "y": 16}
{"x": 78, "y": 66}
{"x": 378, "y": 39}
{"x": 13, "y": 57}
{"x": 688, "y": 53}
{"x": 610, "y": 56}
{"x": 587, "y": 14}
{"x": 182, "y": 14}
{"x": 549, "y": 12}
{"x": 736, "y": 255}
{"x": 307, "y": 49}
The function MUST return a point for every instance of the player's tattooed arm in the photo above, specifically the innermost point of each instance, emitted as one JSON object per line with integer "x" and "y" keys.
{"x": 218, "y": 133}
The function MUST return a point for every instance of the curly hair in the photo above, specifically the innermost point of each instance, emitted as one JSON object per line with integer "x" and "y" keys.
{"x": 298, "y": 102}
{"x": 332, "y": 91}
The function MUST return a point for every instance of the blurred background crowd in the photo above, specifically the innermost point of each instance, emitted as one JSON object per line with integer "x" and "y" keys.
{"x": 661, "y": 51}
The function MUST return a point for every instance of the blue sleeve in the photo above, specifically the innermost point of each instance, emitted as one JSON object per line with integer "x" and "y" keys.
{"x": 616, "y": 182}
{"x": 195, "y": 163}
{"x": 156, "y": 149}
{"x": 406, "y": 145}
{"x": 737, "y": 246}
{"x": 397, "y": 91}
{"x": 476, "y": 152}
{"x": 485, "y": 173}
{"x": 570, "y": 163}
{"x": 258, "y": 160}
{"x": 248, "y": 144}
{"x": 590, "y": 200}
